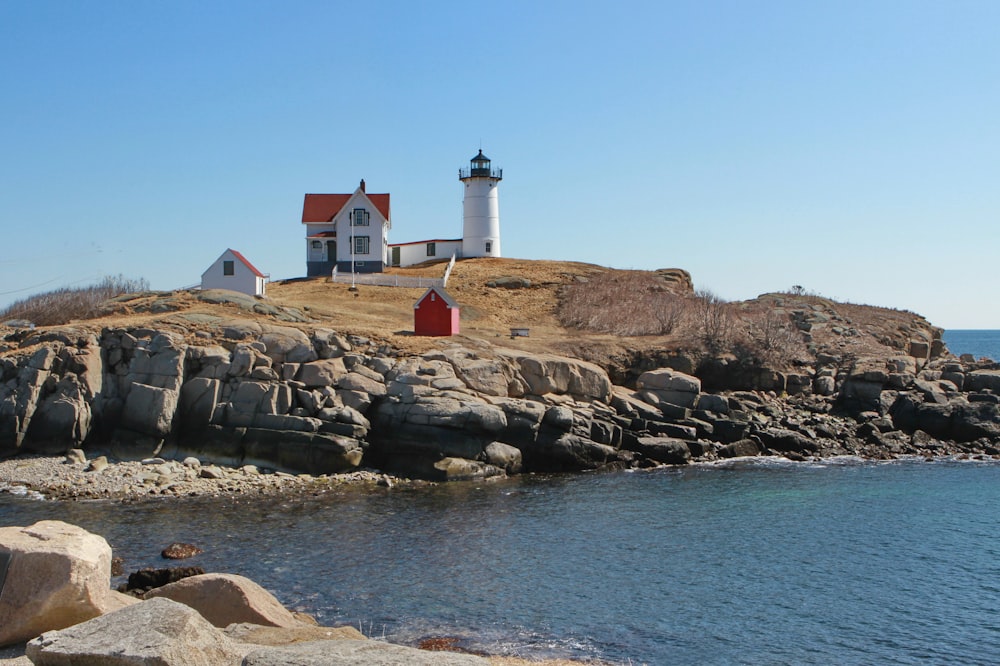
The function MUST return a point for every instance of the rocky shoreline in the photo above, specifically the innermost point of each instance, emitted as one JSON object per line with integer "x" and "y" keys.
{"x": 59, "y": 608}
{"x": 74, "y": 477}
{"x": 257, "y": 408}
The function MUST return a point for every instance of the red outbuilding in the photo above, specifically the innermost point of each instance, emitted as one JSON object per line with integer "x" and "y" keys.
{"x": 435, "y": 313}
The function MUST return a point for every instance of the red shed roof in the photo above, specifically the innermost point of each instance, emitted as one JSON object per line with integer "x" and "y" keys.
{"x": 445, "y": 296}
{"x": 253, "y": 269}
{"x": 323, "y": 207}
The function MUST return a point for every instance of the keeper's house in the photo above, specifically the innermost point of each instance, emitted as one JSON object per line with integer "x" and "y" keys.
{"x": 346, "y": 231}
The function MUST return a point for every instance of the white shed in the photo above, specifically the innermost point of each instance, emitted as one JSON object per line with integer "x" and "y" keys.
{"x": 232, "y": 271}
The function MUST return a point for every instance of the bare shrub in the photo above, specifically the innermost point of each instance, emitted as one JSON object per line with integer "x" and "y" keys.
{"x": 63, "y": 305}
{"x": 769, "y": 339}
{"x": 714, "y": 321}
{"x": 626, "y": 303}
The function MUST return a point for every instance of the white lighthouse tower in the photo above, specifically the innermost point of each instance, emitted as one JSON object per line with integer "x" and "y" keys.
{"x": 481, "y": 208}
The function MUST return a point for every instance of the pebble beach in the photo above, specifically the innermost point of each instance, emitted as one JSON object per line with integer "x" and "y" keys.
{"x": 77, "y": 477}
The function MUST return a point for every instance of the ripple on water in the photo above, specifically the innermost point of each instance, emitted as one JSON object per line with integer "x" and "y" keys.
{"x": 844, "y": 562}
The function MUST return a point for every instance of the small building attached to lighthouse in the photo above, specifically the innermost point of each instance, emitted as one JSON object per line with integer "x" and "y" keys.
{"x": 480, "y": 208}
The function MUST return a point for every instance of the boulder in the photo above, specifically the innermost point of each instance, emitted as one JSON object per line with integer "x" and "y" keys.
{"x": 744, "y": 447}
{"x": 155, "y": 632}
{"x": 245, "y": 632}
{"x": 504, "y": 456}
{"x": 356, "y": 381}
{"x": 484, "y": 376}
{"x": 566, "y": 453}
{"x": 58, "y": 575}
{"x": 664, "y": 450}
{"x": 198, "y": 399}
{"x": 670, "y": 386}
{"x": 547, "y": 373}
{"x": 460, "y": 469}
{"x": 62, "y": 419}
{"x": 325, "y": 372}
{"x": 356, "y": 653}
{"x": 180, "y": 551}
{"x": 711, "y": 402}
{"x": 286, "y": 344}
{"x": 149, "y": 410}
{"x": 148, "y": 578}
{"x": 784, "y": 440}
{"x": 979, "y": 380}
{"x": 224, "y": 599}
{"x": 160, "y": 364}
{"x": 824, "y": 385}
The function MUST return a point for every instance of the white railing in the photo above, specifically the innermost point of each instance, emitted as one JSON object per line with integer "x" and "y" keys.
{"x": 447, "y": 271}
{"x": 386, "y": 280}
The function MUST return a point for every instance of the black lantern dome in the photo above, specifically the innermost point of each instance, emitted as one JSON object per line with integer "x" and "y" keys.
{"x": 479, "y": 167}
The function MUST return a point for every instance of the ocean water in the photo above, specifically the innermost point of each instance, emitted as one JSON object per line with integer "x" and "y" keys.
{"x": 976, "y": 342}
{"x": 749, "y": 562}
{"x": 753, "y": 561}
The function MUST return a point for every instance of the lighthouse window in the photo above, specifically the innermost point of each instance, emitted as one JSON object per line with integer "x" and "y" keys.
{"x": 431, "y": 250}
{"x": 361, "y": 245}
{"x": 489, "y": 246}
{"x": 360, "y": 217}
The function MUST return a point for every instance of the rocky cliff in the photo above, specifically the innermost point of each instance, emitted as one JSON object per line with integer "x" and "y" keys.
{"x": 318, "y": 401}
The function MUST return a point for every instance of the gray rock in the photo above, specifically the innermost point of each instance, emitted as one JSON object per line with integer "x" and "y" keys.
{"x": 284, "y": 343}
{"x": 664, "y": 449}
{"x": 713, "y": 403}
{"x": 198, "y": 400}
{"x": 355, "y": 381}
{"x": 158, "y": 632}
{"x": 503, "y": 456}
{"x": 150, "y": 410}
{"x": 57, "y": 576}
{"x": 356, "y": 653}
{"x": 325, "y": 372}
{"x": 460, "y": 469}
{"x": 744, "y": 447}
{"x": 546, "y": 373}
{"x": 824, "y": 385}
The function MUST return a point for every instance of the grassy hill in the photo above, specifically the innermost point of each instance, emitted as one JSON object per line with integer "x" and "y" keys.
{"x": 571, "y": 308}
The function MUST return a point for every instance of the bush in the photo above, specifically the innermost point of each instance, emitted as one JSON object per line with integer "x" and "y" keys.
{"x": 63, "y": 305}
{"x": 626, "y": 303}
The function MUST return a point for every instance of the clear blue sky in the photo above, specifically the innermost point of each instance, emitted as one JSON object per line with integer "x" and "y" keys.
{"x": 851, "y": 147}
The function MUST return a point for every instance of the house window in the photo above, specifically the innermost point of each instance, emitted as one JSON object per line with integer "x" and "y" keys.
{"x": 361, "y": 245}
{"x": 431, "y": 250}
{"x": 316, "y": 245}
{"x": 359, "y": 217}
{"x": 228, "y": 268}
{"x": 359, "y": 264}
{"x": 489, "y": 247}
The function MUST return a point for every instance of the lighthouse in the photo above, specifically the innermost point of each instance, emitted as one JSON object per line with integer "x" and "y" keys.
{"x": 481, "y": 208}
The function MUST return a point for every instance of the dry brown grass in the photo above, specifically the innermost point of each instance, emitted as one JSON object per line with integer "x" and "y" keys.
{"x": 61, "y": 306}
{"x": 488, "y": 313}
{"x": 627, "y": 303}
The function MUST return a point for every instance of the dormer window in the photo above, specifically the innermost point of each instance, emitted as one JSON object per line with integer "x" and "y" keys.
{"x": 359, "y": 217}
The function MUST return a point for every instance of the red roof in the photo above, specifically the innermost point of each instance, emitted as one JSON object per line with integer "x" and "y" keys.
{"x": 323, "y": 207}
{"x": 246, "y": 263}
{"x": 324, "y": 234}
